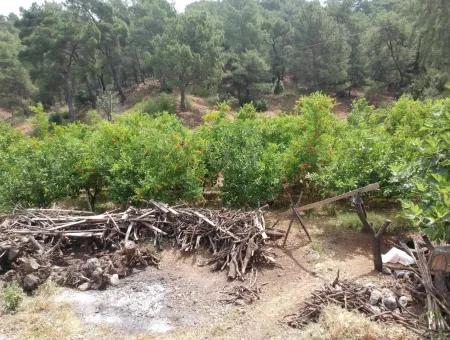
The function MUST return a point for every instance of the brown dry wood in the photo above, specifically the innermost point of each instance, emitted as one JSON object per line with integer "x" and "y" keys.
{"x": 353, "y": 297}
{"x": 368, "y": 188}
{"x": 234, "y": 237}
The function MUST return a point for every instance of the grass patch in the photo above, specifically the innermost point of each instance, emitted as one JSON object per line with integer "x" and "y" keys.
{"x": 41, "y": 317}
{"x": 161, "y": 103}
{"x": 318, "y": 247}
{"x": 12, "y": 295}
{"x": 346, "y": 220}
{"x": 337, "y": 323}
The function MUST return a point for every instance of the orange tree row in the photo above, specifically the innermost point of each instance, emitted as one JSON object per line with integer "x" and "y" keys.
{"x": 138, "y": 157}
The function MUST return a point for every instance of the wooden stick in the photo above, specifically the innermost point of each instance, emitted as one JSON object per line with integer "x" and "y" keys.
{"x": 370, "y": 187}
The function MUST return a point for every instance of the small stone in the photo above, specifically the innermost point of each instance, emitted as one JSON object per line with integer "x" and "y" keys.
{"x": 403, "y": 301}
{"x": 390, "y": 303}
{"x": 400, "y": 274}
{"x": 93, "y": 263}
{"x": 13, "y": 253}
{"x": 387, "y": 271}
{"x": 375, "y": 309}
{"x": 388, "y": 299}
{"x": 369, "y": 287}
{"x": 10, "y": 275}
{"x": 386, "y": 292}
{"x": 29, "y": 265}
{"x": 30, "y": 282}
{"x": 114, "y": 280}
{"x": 312, "y": 256}
{"x": 375, "y": 297}
{"x": 85, "y": 286}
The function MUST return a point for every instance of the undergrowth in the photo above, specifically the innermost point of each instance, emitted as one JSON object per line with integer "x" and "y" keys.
{"x": 12, "y": 295}
{"x": 336, "y": 323}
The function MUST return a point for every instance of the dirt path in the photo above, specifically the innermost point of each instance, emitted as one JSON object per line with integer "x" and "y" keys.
{"x": 181, "y": 299}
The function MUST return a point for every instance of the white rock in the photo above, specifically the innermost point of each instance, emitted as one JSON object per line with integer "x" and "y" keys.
{"x": 387, "y": 271}
{"x": 403, "y": 301}
{"x": 375, "y": 297}
{"x": 84, "y": 286}
{"x": 114, "y": 280}
{"x": 369, "y": 287}
{"x": 375, "y": 309}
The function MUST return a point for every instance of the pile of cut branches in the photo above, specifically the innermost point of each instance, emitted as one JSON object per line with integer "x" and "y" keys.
{"x": 429, "y": 287}
{"x": 80, "y": 249}
{"x": 353, "y": 297}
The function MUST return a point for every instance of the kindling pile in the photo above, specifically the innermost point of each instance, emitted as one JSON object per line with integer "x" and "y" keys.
{"x": 80, "y": 249}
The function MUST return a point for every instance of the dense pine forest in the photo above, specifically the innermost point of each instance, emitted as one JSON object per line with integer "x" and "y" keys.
{"x": 75, "y": 51}
{"x": 71, "y": 69}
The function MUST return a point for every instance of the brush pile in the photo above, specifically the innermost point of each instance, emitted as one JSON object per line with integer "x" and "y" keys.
{"x": 380, "y": 305}
{"x": 80, "y": 249}
{"x": 429, "y": 283}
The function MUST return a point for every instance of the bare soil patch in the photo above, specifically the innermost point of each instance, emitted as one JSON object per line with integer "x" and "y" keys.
{"x": 182, "y": 299}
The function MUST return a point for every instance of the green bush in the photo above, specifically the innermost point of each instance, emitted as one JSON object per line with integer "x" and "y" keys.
{"x": 162, "y": 103}
{"x": 139, "y": 157}
{"x": 251, "y": 166}
{"x": 425, "y": 175}
{"x": 247, "y": 111}
{"x": 279, "y": 88}
{"x": 151, "y": 158}
{"x": 39, "y": 121}
{"x": 260, "y": 105}
{"x": 12, "y": 295}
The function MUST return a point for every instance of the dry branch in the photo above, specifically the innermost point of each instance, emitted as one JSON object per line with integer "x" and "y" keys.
{"x": 353, "y": 297}
{"x": 61, "y": 241}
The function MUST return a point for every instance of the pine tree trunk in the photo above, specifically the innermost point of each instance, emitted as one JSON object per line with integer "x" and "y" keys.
{"x": 183, "y": 98}
{"x": 117, "y": 84}
{"x": 101, "y": 80}
{"x": 68, "y": 93}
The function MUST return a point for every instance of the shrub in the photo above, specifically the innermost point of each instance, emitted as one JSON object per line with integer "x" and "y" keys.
{"x": 162, "y": 103}
{"x": 247, "y": 111}
{"x": 260, "y": 105}
{"x": 93, "y": 117}
{"x": 157, "y": 161}
{"x": 279, "y": 88}
{"x": 39, "y": 121}
{"x": 12, "y": 296}
{"x": 425, "y": 175}
{"x": 56, "y": 118}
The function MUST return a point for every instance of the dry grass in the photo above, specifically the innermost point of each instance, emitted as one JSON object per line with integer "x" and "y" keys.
{"x": 40, "y": 317}
{"x": 336, "y": 323}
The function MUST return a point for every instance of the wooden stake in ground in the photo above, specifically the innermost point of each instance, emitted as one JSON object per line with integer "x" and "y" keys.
{"x": 295, "y": 214}
{"x": 297, "y": 209}
{"x": 377, "y": 235}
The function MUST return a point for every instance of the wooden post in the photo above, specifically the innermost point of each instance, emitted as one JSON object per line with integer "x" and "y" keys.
{"x": 294, "y": 215}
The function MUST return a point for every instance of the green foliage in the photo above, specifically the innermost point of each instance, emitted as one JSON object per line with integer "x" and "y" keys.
{"x": 15, "y": 84}
{"x": 251, "y": 166}
{"x": 157, "y": 162}
{"x": 39, "y": 121}
{"x": 139, "y": 157}
{"x": 426, "y": 174}
{"x": 319, "y": 62}
{"x": 189, "y": 52}
{"x": 161, "y": 103}
{"x": 12, "y": 295}
{"x": 279, "y": 88}
{"x": 260, "y": 105}
{"x": 247, "y": 111}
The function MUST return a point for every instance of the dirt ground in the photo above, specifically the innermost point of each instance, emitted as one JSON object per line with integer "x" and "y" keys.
{"x": 182, "y": 299}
